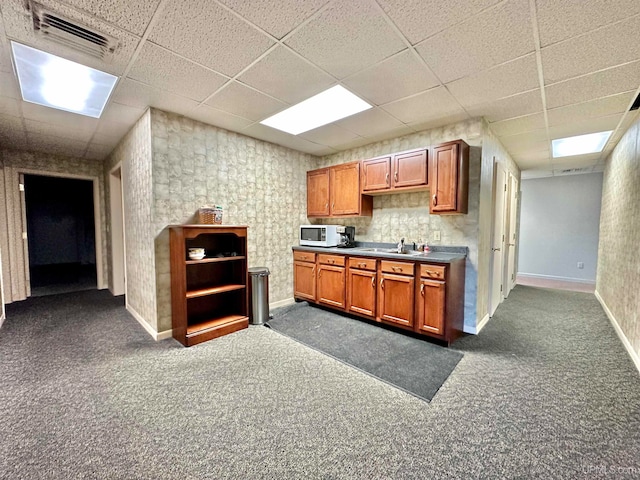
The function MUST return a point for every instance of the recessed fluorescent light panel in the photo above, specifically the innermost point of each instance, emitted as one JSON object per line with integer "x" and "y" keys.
{"x": 323, "y": 108}
{"x": 54, "y": 82}
{"x": 591, "y": 143}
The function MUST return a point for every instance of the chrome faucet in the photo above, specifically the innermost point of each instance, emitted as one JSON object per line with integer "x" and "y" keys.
{"x": 401, "y": 245}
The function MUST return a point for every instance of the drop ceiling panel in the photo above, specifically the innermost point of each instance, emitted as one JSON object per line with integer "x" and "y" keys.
{"x": 97, "y": 151}
{"x": 509, "y": 107}
{"x": 284, "y": 75}
{"x": 11, "y": 129}
{"x": 56, "y": 145}
{"x": 588, "y": 125}
{"x": 245, "y": 102}
{"x": 523, "y": 124}
{"x": 533, "y": 158}
{"x": 490, "y": 38}
{"x": 589, "y": 87}
{"x": 5, "y": 57}
{"x": 10, "y": 106}
{"x": 60, "y": 130}
{"x": 526, "y": 142}
{"x": 419, "y": 19}
{"x": 396, "y": 77}
{"x": 110, "y": 133}
{"x": 117, "y": 112}
{"x": 277, "y": 18}
{"x": 160, "y": 68}
{"x": 347, "y": 37}
{"x": 272, "y": 135}
{"x": 210, "y": 35}
{"x": 527, "y": 164}
{"x": 371, "y": 122}
{"x": 132, "y": 16}
{"x": 606, "y": 47}
{"x": 504, "y": 80}
{"x": 57, "y": 118}
{"x": 428, "y": 105}
{"x": 218, "y": 118}
{"x": 19, "y": 27}
{"x": 578, "y": 161}
{"x": 439, "y": 121}
{"x": 330, "y": 135}
{"x": 9, "y": 86}
{"x": 593, "y": 109}
{"x": 136, "y": 94}
{"x": 559, "y": 20}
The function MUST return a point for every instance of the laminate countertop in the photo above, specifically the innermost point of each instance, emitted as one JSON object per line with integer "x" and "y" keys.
{"x": 436, "y": 254}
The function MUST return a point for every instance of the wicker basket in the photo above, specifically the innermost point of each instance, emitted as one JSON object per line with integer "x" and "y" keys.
{"x": 210, "y": 215}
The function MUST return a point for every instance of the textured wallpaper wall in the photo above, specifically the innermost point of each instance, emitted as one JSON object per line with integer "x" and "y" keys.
{"x": 14, "y": 163}
{"x": 407, "y": 215}
{"x": 618, "y": 274}
{"x": 258, "y": 184}
{"x": 134, "y": 154}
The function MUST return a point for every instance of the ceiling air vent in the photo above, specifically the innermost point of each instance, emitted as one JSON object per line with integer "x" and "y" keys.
{"x": 53, "y": 26}
{"x": 636, "y": 104}
{"x": 569, "y": 171}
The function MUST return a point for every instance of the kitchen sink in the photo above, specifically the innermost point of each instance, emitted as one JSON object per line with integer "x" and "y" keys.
{"x": 391, "y": 250}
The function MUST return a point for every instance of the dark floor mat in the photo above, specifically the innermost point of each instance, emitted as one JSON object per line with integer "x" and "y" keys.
{"x": 411, "y": 364}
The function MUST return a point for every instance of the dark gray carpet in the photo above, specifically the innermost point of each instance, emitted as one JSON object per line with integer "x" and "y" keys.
{"x": 545, "y": 391}
{"x": 408, "y": 363}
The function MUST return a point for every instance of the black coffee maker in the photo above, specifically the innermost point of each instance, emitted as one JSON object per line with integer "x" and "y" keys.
{"x": 347, "y": 237}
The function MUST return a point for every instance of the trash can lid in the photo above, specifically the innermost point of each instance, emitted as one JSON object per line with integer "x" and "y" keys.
{"x": 259, "y": 271}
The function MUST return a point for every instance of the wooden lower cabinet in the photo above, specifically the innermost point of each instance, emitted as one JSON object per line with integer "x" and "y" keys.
{"x": 395, "y": 299}
{"x": 361, "y": 292}
{"x": 304, "y": 280}
{"x": 421, "y": 297}
{"x": 431, "y": 306}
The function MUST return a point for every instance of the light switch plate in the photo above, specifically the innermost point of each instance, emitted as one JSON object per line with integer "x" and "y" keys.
{"x": 436, "y": 235}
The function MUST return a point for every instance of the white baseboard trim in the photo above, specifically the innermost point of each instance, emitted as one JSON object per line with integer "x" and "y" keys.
{"x": 560, "y": 283}
{"x": 164, "y": 335}
{"x": 142, "y": 322}
{"x": 476, "y": 330}
{"x": 2, "y": 319}
{"x": 623, "y": 338}
{"x": 282, "y": 303}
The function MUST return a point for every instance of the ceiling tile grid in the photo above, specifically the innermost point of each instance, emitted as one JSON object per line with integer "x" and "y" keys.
{"x": 421, "y": 64}
{"x": 347, "y": 37}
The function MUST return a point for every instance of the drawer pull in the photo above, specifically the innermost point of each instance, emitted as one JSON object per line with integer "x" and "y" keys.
{"x": 373, "y": 282}
{"x": 396, "y": 177}
{"x": 362, "y": 265}
{"x": 396, "y": 269}
{"x": 382, "y": 283}
{"x": 422, "y": 289}
{"x": 331, "y": 260}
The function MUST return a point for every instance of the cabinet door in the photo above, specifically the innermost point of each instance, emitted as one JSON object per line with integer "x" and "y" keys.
{"x": 444, "y": 188}
{"x": 361, "y": 292}
{"x": 410, "y": 169}
{"x": 395, "y": 299}
{"x": 345, "y": 189}
{"x": 331, "y": 289}
{"x": 431, "y": 307}
{"x": 376, "y": 174}
{"x": 318, "y": 193}
{"x": 304, "y": 280}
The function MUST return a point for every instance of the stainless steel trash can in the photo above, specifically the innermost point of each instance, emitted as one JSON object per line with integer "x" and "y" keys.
{"x": 259, "y": 280}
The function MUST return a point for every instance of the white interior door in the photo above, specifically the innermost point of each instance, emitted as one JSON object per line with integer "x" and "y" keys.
{"x": 498, "y": 237}
{"x": 118, "y": 280}
{"x": 511, "y": 235}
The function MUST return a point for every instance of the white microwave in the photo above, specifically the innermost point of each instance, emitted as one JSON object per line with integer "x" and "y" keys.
{"x": 319, "y": 235}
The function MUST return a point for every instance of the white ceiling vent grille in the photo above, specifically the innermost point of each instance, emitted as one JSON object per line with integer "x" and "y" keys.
{"x": 53, "y": 26}
{"x": 572, "y": 171}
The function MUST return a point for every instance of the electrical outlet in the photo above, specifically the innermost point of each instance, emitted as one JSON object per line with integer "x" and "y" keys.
{"x": 580, "y": 265}
{"x": 436, "y": 235}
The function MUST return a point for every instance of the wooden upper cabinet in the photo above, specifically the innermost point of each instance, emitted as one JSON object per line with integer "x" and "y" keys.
{"x": 345, "y": 189}
{"x": 450, "y": 178}
{"x": 410, "y": 169}
{"x": 397, "y": 172}
{"x": 376, "y": 174}
{"x": 335, "y": 191}
{"x": 318, "y": 193}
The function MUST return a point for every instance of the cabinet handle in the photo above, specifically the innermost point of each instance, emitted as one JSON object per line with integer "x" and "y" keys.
{"x": 333, "y": 206}
{"x": 373, "y": 282}
{"x": 326, "y": 205}
{"x": 386, "y": 178}
{"x": 331, "y": 261}
{"x": 382, "y": 283}
{"x": 319, "y": 272}
{"x": 395, "y": 177}
{"x": 396, "y": 269}
{"x": 362, "y": 265}
{"x": 435, "y": 199}
{"x": 422, "y": 289}
{"x": 313, "y": 271}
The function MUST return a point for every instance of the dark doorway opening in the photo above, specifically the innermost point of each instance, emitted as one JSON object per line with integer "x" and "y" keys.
{"x": 61, "y": 234}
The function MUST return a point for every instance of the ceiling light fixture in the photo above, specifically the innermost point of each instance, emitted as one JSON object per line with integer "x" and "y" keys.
{"x": 55, "y": 82}
{"x": 321, "y": 109}
{"x": 580, "y": 145}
